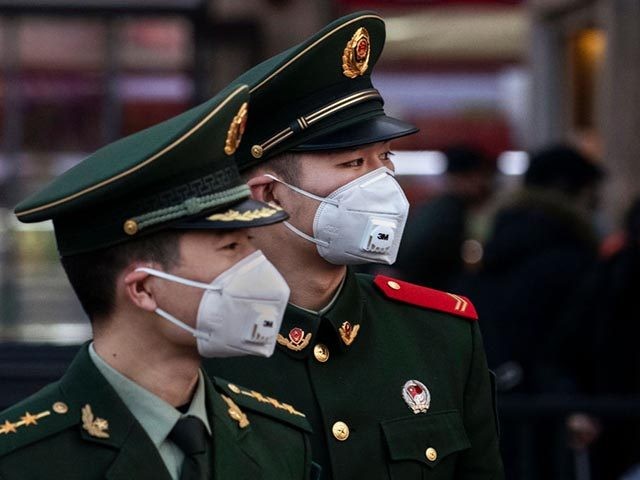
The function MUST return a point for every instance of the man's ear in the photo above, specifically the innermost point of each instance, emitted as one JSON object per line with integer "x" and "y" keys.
{"x": 262, "y": 189}
{"x": 138, "y": 290}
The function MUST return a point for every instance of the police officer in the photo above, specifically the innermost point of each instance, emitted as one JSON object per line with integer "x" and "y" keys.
{"x": 392, "y": 376}
{"x": 152, "y": 230}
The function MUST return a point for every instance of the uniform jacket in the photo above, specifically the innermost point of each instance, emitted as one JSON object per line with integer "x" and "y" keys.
{"x": 52, "y": 435}
{"x": 387, "y": 342}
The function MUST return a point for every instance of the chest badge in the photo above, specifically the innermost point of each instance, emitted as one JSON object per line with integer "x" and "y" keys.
{"x": 417, "y": 396}
{"x": 348, "y": 332}
{"x": 297, "y": 339}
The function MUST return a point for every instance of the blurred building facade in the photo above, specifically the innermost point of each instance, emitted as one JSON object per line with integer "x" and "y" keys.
{"x": 585, "y": 59}
{"x": 497, "y": 75}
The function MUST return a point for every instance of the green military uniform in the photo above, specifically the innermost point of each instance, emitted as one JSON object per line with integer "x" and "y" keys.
{"x": 80, "y": 428}
{"x": 358, "y": 379}
{"x": 92, "y": 424}
{"x": 392, "y": 376}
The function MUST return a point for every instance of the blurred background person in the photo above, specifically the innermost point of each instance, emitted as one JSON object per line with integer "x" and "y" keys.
{"x": 595, "y": 351}
{"x": 431, "y": 252}
{"x": 541, "y": 244}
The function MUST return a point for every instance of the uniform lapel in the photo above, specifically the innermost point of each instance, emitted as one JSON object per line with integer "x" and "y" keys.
{"x": 107, "y": 422}
{"x": 347, "y": 313}
{"x": 138, "y": 458}
{"x": 233, "y": 456}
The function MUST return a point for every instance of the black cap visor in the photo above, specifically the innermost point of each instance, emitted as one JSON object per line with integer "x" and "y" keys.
{"x": 372, "y": 130}
{"x": 246, "y": 214}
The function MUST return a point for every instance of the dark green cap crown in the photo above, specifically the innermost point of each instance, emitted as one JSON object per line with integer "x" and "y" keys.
{"x": 176, "y": 173}
{"x": 318, "y": 95}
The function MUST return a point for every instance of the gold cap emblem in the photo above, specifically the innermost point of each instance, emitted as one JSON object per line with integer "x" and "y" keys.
{"x": 355, "y": 58}
{"x": 236, "y": 129}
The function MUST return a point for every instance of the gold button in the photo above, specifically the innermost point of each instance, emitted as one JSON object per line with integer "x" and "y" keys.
{"x": 60, "y": 407}
{"x": 321, "y": 352}
{"x": 233, "y": 388}
{"x": 340, "y": 431}
{"x": 130, "y": 227}
{"x": 394, "y": 285}
{"x": 256, "y": 151}
{"x": 431, "y": 454}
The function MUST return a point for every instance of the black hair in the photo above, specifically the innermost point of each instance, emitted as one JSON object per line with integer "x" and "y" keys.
{"x": 285, "y": 165}
{"x": 93, "y": 274}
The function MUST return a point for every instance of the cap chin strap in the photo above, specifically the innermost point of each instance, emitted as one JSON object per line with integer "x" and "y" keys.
{"x": 295, "y": 230}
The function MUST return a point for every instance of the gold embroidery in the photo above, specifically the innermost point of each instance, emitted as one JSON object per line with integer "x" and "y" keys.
{"x": 96, "y": 427}
{"x": 26, "y": 420}
{"x": 355, "y": 58}
{"x": 272, "y": 401}
{"x": 236, "y": 129}
{"x": 249, "y": 215}
{"x": 8, "y": 427}
{"x": 235, "y": 413}
{"x": 348, "y": 333}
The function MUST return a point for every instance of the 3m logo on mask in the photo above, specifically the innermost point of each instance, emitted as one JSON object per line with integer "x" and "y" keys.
{"x": 263, "y": 330}
{"x": 378, "y": 235}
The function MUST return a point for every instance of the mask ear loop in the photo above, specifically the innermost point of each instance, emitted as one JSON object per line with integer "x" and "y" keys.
{"x": 190, "y": 283}
{"x": 295, "y": 230}
{"x": 196, "y": 333}
{"x": 176, "y": 279}
{"x": 303, "y": 192}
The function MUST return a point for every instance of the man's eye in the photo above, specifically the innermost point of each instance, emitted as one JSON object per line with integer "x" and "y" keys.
{"x": 354, "y": 163}
{"x": 231, "y": 246}
{"x": 386, "y": 155}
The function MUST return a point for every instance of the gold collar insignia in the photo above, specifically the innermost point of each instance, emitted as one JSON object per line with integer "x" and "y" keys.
{"x": 297, "y": 339}
{"x": 235, "y": 413}
{"x": 96, "y": 427}
{"x": 348, "y": 332}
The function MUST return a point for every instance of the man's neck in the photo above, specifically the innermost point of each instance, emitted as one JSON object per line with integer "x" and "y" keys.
{"x": 313, "y": 283}
{"x": 313, "y": 289}
{"x": 167, "y": 371}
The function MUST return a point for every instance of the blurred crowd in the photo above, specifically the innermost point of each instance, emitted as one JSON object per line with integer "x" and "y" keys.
{"x": 556, "y": 301}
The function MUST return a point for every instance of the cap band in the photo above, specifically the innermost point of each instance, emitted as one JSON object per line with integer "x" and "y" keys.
{"x": 191, "y": 206}
{"x": 306, "y": 121}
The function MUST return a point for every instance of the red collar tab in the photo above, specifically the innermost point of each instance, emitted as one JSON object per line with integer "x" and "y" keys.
{"x": 426, "y": 297}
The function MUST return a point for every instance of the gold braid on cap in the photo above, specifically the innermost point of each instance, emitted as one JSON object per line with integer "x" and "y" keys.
{"x": 306, "y": 121}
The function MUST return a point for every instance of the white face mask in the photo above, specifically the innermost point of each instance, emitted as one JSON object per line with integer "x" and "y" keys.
{"x": 241, "y": 309}
{"x": 360, "y": 222}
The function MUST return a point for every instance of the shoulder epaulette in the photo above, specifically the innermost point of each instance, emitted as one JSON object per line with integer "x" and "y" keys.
{"x": 35, "y": 418}
{"x": 258, "y": 402}
{"x": 426, "y": 297}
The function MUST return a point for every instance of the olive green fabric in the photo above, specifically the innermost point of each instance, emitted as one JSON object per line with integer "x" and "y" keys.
{"x": 362, "y": 385}
{"x": 58, "y": 446}
{"x": 178, "y": 170}
{"x": 309, "y": 77}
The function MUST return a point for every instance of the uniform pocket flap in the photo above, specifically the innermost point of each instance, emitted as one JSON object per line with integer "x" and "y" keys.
{"x": 425, "y": 438}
